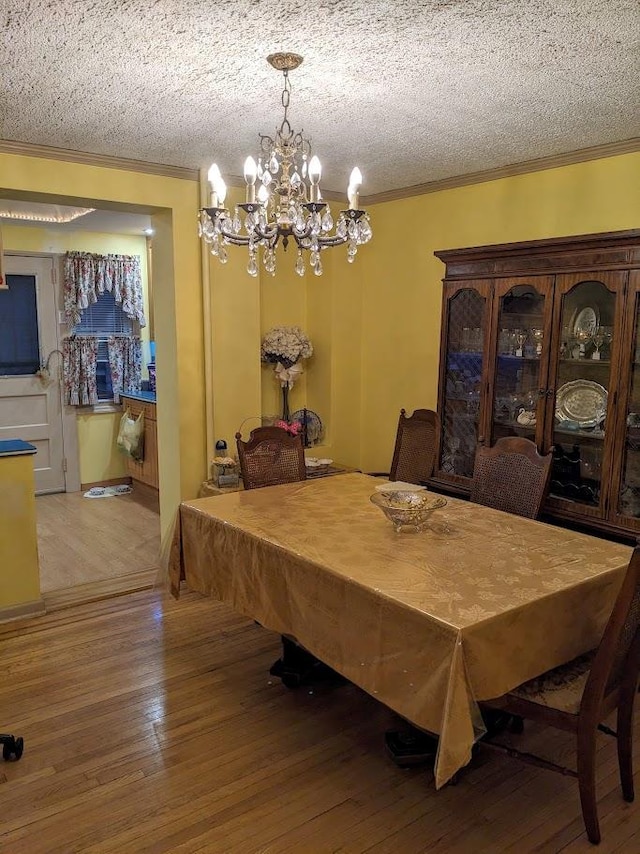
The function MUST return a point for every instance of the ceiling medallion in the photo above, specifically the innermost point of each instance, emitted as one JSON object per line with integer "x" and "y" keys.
{"x": 287, "y": 204}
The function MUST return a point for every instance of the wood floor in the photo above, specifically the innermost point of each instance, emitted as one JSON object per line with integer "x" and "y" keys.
{"x": 153, "y": 726}
{"x": 92, "y": 547}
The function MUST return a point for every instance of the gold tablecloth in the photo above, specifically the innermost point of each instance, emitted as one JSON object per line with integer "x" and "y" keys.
{"x": 428, "y": 622}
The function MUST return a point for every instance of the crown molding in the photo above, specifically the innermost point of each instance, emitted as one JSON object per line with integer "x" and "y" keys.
{"x": 28, "y": 149}
{"x": 596, "y": 152}
{"x": 553, "y": 161}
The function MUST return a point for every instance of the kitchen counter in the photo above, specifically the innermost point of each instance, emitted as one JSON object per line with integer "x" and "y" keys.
{"x": 15, "y": 447}
{"x": 145, "y": 396}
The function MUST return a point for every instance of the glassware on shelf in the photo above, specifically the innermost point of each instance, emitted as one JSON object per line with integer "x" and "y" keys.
{"x": 565, "y": 343}
{"x": 598, "y": 340}
{"x": 473, "y": 401}
{"x": 513, "y": 403}
{"x": 583, "y": 337}
{"x": 537, "y": 335}
{"x": 504, "y": 342}
{"x": 520, "y": 338}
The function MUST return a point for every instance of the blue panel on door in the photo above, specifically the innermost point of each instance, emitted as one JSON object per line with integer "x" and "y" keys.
{"x": 19, "y": 344}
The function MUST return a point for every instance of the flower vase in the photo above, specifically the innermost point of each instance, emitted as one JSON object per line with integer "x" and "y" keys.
{"x": 285, "y": 402}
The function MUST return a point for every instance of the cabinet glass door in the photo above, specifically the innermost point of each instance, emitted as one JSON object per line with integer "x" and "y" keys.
{"x": 583, "y": 407}
{"x": 522, "y": 323}
{"x": 465, "y": 328}
{"x": 628, "y": 496}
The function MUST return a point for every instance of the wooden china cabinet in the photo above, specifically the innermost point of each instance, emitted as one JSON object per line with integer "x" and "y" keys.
{"x": 542, "y": 340}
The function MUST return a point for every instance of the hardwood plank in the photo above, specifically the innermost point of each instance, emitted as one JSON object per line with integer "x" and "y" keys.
{"x": 85, "y": 541}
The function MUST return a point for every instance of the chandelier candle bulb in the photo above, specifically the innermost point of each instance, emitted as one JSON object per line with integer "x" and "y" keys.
{"x": 315, "y": 173}
{"x": 218, "y": 187}
{"x": 353, "y": 190}
{"x": 250, "y": 173}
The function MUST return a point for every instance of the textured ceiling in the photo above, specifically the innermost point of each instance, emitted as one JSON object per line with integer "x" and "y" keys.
{"x": 410, "y": 91}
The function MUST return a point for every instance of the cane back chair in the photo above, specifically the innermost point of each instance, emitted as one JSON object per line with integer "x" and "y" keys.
{"x": 511, "y": 476}
{"x": 270, "y": 456}
{"x": 579, "y": 695}
{"x": 416, "y": 443}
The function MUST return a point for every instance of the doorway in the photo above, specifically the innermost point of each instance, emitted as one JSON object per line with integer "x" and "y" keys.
{"x": 30, "y": 404}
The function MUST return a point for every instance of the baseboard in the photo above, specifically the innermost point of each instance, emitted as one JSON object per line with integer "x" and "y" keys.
{"x": 36, "y": 608}
{"x": 80, "y": 594}
{"x": 115, "y": 481}
{"x": 146, "y": 495}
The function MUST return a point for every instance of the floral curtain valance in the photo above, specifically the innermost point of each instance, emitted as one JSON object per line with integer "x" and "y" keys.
{"x": 86, "y": 276}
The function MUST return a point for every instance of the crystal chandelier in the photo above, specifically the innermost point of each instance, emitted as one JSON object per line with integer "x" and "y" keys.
{"x": 287, "y": 204}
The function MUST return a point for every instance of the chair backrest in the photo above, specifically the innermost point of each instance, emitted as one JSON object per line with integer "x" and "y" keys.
{"x": 511, "y": 476}
{"x": 617, "y": 659}
{"x": 270, "y": 456}
{"x": 417, "y": 440}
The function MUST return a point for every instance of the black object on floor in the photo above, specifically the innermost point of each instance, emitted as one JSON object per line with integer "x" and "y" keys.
{"x": 12, "y": 747}
{"x": 411, "y": 747}
{"x": 297, "y": 667}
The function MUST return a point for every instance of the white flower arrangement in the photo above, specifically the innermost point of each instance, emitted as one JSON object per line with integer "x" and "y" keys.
{"x": 286, "y": 345}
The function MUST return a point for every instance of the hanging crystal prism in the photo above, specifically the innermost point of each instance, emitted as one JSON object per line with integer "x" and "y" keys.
{"x": 300, "y": 264}
{"x": 252, "y": 266}
{"x": 327, "y": 221}
{"x": 223, "y": 255}
{"x": 273, "y": 164}
{"x": 364, "y": 231}
{"x": 318, "y": 267}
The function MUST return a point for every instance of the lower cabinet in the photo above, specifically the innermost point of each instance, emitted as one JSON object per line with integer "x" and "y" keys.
{"x": 146, "y": 471}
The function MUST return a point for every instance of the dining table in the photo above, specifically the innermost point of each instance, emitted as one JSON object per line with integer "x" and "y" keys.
{"x": 430, "y": 622}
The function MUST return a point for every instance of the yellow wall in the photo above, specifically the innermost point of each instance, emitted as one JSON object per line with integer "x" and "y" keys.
{"x": 327, "y": 308}
{"x": 177, "y": 296}
{"x": 19, "y": 569}
{"x": 402, "y": 279}
{"x": 99, "y": 457}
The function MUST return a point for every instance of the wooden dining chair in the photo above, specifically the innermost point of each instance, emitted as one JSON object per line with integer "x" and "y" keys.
{"x": 511, "y": 476}
{"x": 579, "y": 695}
{"x": 417, "y": 440}
{"x": 270, "y": 456}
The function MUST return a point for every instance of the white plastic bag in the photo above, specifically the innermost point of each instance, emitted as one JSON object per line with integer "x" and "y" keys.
{"x": 131, "y": 436}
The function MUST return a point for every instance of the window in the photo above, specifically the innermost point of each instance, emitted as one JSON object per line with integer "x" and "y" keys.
{"x": 102, "y": 319}
{"x": 19, "y": 345}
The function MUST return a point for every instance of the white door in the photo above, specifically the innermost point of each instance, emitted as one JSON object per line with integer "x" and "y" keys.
{"x": 29, "y": 409}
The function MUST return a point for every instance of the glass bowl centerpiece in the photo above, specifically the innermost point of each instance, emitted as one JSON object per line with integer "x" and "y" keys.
{"x": 407, "y": 510}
